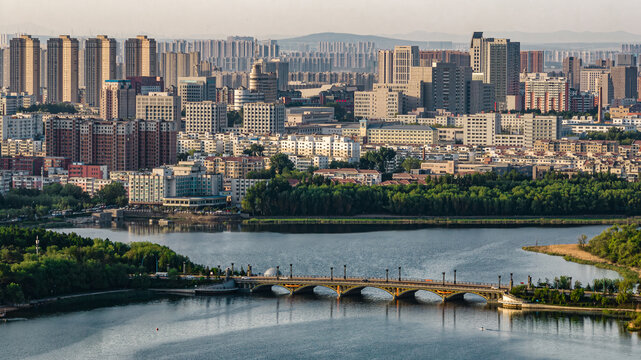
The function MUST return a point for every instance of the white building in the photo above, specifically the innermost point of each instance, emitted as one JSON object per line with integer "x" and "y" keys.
{"x": 264, "y": 118}
{"x": 187, "y": 179}
{"x": 21, "y": 126}
{"x": 239, "y": 188}
{"x": 205, "y": 117}
{"x": 158, "y": 106}
{"x": 244, "y": 96}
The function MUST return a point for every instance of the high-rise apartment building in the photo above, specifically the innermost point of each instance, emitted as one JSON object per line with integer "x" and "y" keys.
{"x": 62, "y": 69}
{"x": 404, "y": 58}
{"x": 121, "y": 145}
{"x": 590, "y": 78}
{"x": 117, "y": 100}
{"x": 24, "y": 72}
{"x": 147, "y": 84}
{"x": 140, "y": 56}
{"x": 205, "y": 117}
{"x": 572, "y": 71}
{"x": 500, "y": 62}
{"x": 100, "y": 65}
{"x": 198, "y": 88}
{"x": 626, "y": 60}
{"x": 385, "y": 66}
{"x": 532, "y": 61}
{"x": 264, "y": 118}
{"x": 263, "y": 82}
{"x": 172, "y": 66}
{"x": 281, "y": 69}
{"x": 158, "y": 106}
{"x": 546, "y": 93}
{"x": 382, "y": 102}
{"x": 624, "y": 81}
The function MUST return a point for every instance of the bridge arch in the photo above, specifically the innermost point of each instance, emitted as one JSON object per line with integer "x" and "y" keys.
{"x": 461, "y": 294}
{"x": 268, "y": 287}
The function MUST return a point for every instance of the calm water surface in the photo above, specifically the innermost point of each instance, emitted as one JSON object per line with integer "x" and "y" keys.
{"x": 320, "y": 326}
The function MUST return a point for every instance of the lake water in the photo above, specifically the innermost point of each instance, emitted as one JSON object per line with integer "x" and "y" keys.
{"x": 320, "y": 326}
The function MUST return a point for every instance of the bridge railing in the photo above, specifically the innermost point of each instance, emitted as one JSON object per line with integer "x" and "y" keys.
{"x": 422, "y": 281}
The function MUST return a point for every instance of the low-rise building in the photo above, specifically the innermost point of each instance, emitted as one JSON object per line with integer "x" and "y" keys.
{"x": 365, "y": 177}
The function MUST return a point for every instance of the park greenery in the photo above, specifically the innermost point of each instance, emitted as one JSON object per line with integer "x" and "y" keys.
{"x": 615, "y": 134}
{"x": 470, "y": 195}
{"x": 32, "y": 203}
{"x": 620, "y": 244}
{"x": 602, "y": 293}
{"x": 50, "y": 108}
{"x": 68, "y": 263}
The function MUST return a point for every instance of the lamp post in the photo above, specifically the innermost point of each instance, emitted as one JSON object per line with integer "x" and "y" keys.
{"x": 277, "y": 272}
{"x": 443, "y": 277}
{"x": 344, "y": 272}
{"x": 386, "y": 275}
{"x": 331, "y": 273}
{"x": 454, "y": 276}
{"x": 499, "y": 281}
{"x": 291, "y": 272}
{"x": 399, "y": 273}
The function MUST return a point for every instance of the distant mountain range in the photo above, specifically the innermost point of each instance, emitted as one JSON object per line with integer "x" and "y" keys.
{"x": 421, "y": 38}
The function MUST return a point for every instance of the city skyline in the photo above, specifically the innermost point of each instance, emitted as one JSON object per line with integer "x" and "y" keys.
{"x": 201, "y": 18}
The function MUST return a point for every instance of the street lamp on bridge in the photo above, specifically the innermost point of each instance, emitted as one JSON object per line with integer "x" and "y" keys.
{"x": 344, "y": 272}
{"x": 386, "y": 275}
{"x": 291, "y": 271}
{"x": 399, "y": 273}
{"x": 454, "y": 276}
{"x": 331, "y": 273}
{"x": 499, "y": 281}
{"x": 443, "y": 277}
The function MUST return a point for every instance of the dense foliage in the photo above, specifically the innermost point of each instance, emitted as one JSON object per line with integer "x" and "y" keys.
{"x": 68, "y": 263}
{"x": 31, "y": 203}
{"x": 50, "y": 108}
{"x": 616, "y": 134}
{"x": 619, "y": 244}
{"x": 470, "y": 195}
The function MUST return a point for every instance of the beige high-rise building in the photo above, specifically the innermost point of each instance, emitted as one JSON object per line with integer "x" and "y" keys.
{"x": 404, "y": 58}
{"x": 140, "y": 56}
{"x": 173, "y": 66}
{"x": 385, "y": 66}
{"x": 158, "y": 106}
{"x": 380, "y": 103}
{"x": 263, "y": 82}
{"x": 205, "y": 117}
{"x": 100, "y": 65}
{"x": 264, "y": 118}
{"x": 117, "y": 100}
{"x": 24, "y": 65}
{"x": 500, "y": 62}
{"x": 62, "y": 69}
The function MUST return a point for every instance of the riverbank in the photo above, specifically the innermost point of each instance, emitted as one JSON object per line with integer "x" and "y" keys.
{"x": 574, "y": 253}
{"x": 454, "y": 221}
{"x": 5, "y": 309}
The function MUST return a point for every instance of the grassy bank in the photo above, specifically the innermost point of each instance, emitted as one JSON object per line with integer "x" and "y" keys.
{"x": 572, "y": 252}
{"x": 445, "y": 221}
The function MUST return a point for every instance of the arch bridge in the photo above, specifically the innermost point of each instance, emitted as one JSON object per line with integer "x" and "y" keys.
{"x": 352, "y": 286}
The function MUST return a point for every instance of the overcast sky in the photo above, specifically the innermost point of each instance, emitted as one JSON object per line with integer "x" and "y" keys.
{"x": 266, "y": 18}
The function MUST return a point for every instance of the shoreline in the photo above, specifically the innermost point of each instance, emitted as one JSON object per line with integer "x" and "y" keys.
{"x": 6, "y": 309}
{"x": 573, "y": 253}
{"x": 444, "y": 221}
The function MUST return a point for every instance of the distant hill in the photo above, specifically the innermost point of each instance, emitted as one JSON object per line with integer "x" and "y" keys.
{"x": 312, "y": 40}
{"x": 564, "y": 36}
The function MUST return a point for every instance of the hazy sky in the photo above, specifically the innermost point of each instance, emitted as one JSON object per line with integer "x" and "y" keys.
{"x": 263, "y": 18}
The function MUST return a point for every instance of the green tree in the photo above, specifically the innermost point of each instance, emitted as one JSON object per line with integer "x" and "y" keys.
{"x": 411, "y": 163}
{"x": 254, "y": 150}
{"x": 577, "y": 295}
{"x": 280, "y": 163}
{"x": 113, "y": 194}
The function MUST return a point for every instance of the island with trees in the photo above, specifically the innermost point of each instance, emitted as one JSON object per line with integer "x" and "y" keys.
{"x": 60, "y": 264}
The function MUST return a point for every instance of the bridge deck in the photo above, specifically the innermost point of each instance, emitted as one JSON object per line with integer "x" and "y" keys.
{"x": 345, "y": 286}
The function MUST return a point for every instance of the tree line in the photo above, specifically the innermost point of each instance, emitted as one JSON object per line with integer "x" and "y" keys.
{"x": 68, "y": 263}
{"x": 470, "y": 195}
{"x": 621, "y": 244}
{"x": 29, "y": 203}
